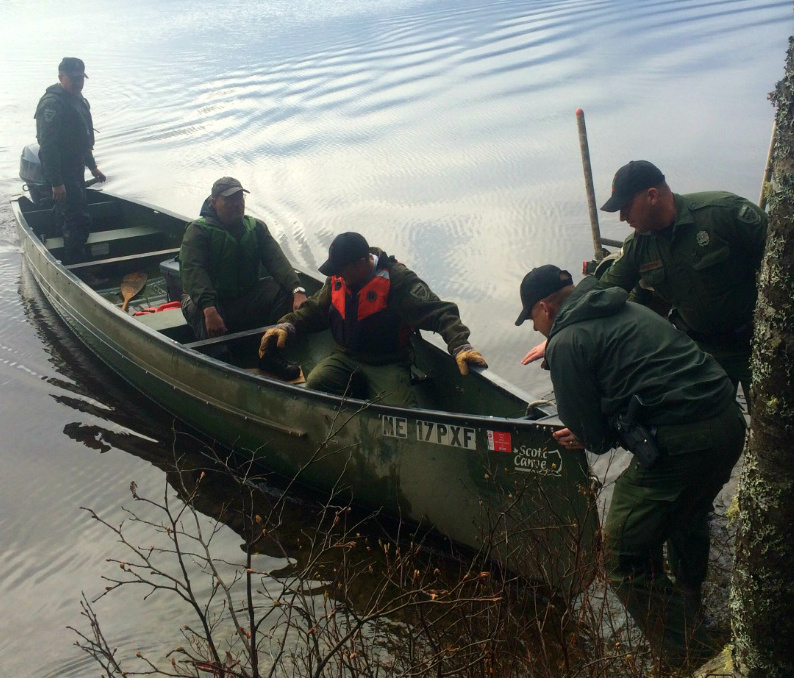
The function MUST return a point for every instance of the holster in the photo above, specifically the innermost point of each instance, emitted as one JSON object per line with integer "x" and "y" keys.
{"x": 636, "y": 437}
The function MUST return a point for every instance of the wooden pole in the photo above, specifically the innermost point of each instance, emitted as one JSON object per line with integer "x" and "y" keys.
{"x": 767, "y": 169}
{"x": 588, "y": 183}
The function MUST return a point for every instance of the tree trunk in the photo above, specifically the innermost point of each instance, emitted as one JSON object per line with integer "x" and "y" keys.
{"x": 762, "y": 597}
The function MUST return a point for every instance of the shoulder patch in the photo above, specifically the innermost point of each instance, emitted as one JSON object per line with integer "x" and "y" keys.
{"x": 651, "y": 266}
{"x": 49, "y": 114}
{"x": 749, "y": 215}
{"x": 420, "y": 291}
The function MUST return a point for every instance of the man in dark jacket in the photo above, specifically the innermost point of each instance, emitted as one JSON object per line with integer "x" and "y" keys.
{"x": 65, "y": 132}
{"x": 603, "y": 353}
{"x": 372, "y": 303}
{"x": 220, "y": 260}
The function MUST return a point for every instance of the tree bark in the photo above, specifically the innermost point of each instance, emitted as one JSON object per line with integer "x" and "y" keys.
{"x": 762, "y": 597}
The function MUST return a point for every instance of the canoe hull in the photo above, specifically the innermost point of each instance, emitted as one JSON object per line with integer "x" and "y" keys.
{"x": 490, "y": 483}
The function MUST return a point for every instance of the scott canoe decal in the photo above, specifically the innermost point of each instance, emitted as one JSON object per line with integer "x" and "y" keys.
{"x": 543, "y": 462}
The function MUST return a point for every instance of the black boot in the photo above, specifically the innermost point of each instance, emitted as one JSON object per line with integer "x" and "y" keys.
{"x": 277, "y": 365}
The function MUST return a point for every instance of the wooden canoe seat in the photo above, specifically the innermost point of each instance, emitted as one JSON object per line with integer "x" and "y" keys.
{"x": 116, "y": 242}
{"x": 163, "y": 320}
{"x": 171, "y": 323}
{"x": 130, "y": 259}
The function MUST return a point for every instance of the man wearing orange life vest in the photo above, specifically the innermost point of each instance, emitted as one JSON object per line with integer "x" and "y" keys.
{"x": 372, "y": 304}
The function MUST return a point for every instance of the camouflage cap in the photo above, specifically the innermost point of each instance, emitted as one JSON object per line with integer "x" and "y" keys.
{"x": 226, "y": 186}
{"x": 73, "y": 67}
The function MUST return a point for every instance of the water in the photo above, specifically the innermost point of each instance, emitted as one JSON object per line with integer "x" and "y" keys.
{"x": 444, "y": 132}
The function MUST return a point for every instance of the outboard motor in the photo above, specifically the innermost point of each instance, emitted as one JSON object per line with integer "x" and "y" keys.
{"x": 32, "y": 173}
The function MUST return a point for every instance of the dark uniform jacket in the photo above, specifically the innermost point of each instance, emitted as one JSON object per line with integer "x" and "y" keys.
{"x": 704, "y": 265}
{"x": 65, "y": 132}
{"x": 603, "y": 349}
{"x": 218, "y": 263}
{"x": 374, "y": 322}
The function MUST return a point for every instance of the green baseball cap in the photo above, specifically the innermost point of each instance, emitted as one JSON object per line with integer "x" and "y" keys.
{"x": 73, "y": 67}
{"x": 629, "y": 180}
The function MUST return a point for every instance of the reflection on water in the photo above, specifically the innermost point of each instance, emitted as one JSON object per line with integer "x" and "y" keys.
{"x": 443, "y": 131}
{"x": 67, "y": 552}
{"x": 66, "y": 407}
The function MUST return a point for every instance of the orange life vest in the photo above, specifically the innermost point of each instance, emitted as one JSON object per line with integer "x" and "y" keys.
{"x": 362, "y": 321}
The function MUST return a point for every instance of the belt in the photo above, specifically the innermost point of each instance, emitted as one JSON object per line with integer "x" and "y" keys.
{"x": 743, "y": 332}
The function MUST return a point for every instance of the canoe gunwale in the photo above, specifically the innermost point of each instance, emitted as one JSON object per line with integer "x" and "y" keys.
{"x": 187, "y": 351}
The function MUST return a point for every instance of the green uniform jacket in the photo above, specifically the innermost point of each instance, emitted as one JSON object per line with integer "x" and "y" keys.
{"x": 409, "y": 298}
{"x": 65, "y": 132}
{"x": 704, "y": 265}
{"x": 217, "y": 263}
{"x": 603, "y": 349}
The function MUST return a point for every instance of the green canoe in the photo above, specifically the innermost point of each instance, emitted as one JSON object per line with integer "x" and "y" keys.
{"x": 476, "y": 461}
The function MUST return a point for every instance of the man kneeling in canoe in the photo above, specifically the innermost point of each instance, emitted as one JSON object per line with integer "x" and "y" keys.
{"x": 372, "y": 304}
{"x": 220, "y": 261}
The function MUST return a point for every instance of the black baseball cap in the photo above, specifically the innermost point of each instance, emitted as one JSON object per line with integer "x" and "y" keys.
{"x": 226, "y": 186}
{"x": 630, "y": 180}
{"x": 73, "y": 67}
{"x": 347, "y": 248}
{"x": 538, "y": 284}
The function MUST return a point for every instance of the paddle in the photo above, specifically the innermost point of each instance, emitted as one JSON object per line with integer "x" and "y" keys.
{"x": 131, "y": 285}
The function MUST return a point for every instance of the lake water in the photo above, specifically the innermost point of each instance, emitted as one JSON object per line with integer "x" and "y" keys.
{"x": 443, "y": 131}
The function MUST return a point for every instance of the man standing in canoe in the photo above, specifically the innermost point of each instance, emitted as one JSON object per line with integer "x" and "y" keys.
{"x": 623, "y": 375}
{"x": 65, "y": 132}
{"x": 372, "y": 303}
{"x": 700, "y": 252}
{"x": 220, "y": 260}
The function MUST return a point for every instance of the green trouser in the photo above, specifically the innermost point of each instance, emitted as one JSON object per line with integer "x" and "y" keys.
{"x": 71, "y": 215}
{"x": 670, "y": 502}
{"x": 341, "y": 374}
{"x": 262, "y": 305}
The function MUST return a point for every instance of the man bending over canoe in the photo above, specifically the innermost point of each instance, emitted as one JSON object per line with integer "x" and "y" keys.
{"x": 624, "y": 375}
{"x": 372, "y": 303}
{"x": 220, "y": 259}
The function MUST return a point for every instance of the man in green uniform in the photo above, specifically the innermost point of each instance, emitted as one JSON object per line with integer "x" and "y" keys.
{"x": 220, "y": 260}
{"x": 372, "y": 303}
{"x": 65, "y": 132}
{"x": 624, "y": 375}
{"x": 699, "y": 252}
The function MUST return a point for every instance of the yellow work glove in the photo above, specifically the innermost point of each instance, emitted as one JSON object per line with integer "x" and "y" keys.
{"x": 278, "y": 334}
{"x": 469, "y": 356}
